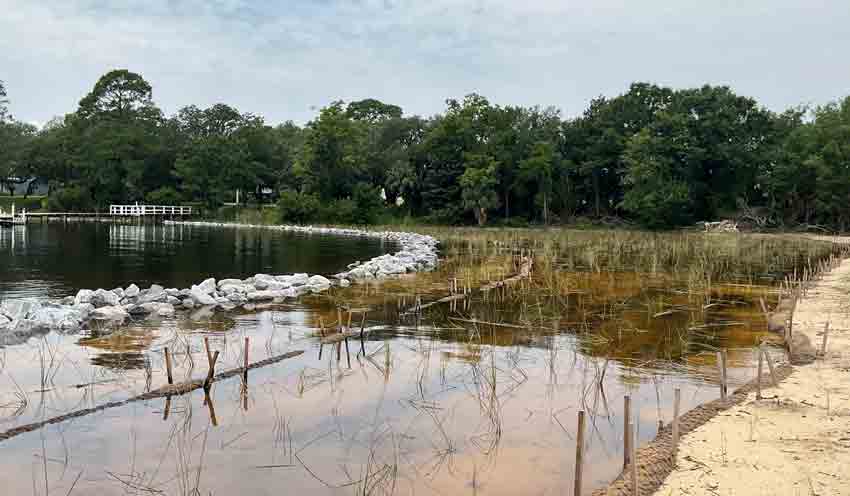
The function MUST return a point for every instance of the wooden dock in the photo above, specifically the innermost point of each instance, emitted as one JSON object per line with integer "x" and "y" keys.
{"x": 115, "y": 212}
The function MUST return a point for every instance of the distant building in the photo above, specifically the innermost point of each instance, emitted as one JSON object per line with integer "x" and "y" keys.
{"x": 18, "y": 187}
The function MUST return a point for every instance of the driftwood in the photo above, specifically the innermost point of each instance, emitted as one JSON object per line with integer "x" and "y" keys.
{"x": 163, "y": 392}
{"x": 525, "y": 268}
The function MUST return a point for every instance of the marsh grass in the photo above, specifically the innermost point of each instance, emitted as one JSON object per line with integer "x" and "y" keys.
{"x": 626, "y": 294}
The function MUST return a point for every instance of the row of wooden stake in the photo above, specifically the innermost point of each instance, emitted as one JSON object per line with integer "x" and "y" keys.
{"x": 212, "y": 359}
{"x": 629, "y": 442}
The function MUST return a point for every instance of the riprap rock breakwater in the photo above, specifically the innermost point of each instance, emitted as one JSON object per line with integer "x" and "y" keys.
{"x": 20, "y": 318}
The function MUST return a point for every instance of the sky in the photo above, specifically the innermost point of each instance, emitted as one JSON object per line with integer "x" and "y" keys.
{"x": 285, "y": 59}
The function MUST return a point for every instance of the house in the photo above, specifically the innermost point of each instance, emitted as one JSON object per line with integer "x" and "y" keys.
{"x": 16, "y": 186}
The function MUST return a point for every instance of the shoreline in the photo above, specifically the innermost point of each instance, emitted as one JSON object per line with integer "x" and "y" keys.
{"x": 788, "y": 442}
{"x": 20, "y": 318}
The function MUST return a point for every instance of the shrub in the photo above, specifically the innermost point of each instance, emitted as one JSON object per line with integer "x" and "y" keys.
{"x": 300, "y": 208}
{"x": 164, "y": 196}
{"x": 342, "y": 211}
{"x": 70, "y": 199}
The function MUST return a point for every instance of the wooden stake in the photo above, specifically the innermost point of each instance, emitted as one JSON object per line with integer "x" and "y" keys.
{"x": 634, "y": 468}
{"x": 825, "y": 337}
{"x": 758, "y": 378}
{"x": 721, "y": 366}
{"x": 770, "y": 366}
{"x": 627, "y": 430}
{"x": 245, "y": 372}
{"x": 211, "y": 372}
{"x": 207, "y": 347}
{"x": 579, "y": 453}
{"x": 677, "y": 399}
{"x": 168, "y": 366}
{"x": 210, "y": 405}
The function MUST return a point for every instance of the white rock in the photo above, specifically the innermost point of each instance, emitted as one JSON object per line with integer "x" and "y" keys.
{"x": 225, "y": 282}
{"x": 318, "y": 283}
{"x": 114, "y": 313}
{"x": 237, "y": 298}
{"x": 5, "y": 321}
{"x": 104, "y": 298}
{"x": 229, "y": 289}
{"x": 155, "y": 293}
{"x": 83, "y": 296}
{"x": 57, "y": 317}
{"x": 201, "y": 297}
{"x": 263, "y": 295}
{"x": 119, "y": 292}
{"x": 131, "y": 291}
{"x": 207, "y": 287}
{"x": 344, "y": 283}
{"x": 19, "y": 309}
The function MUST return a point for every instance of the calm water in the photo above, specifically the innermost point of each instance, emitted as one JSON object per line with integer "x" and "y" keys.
{"x": 439, "y": 404}
{"x": 56, "y": 259}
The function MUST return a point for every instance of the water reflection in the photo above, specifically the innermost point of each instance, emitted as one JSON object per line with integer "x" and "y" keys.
{"x": 56, "y": 259}
{"x": 479, "y": 394}
{"x": 437, "y": 409}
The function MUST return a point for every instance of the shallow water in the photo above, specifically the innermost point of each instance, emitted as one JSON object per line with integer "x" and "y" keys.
{"x": 446, "y": 416}
{"x": 475, "y": 396}
{"x": 56, "y": 259}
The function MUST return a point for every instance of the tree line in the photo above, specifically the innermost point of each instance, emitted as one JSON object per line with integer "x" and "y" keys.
{"x": 658, "y": 156}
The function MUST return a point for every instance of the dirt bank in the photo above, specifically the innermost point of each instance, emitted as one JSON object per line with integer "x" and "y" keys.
{"x": 797, "y": 440}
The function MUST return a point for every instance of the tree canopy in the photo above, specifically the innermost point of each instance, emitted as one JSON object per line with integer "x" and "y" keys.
{"x": 660, "y": 156}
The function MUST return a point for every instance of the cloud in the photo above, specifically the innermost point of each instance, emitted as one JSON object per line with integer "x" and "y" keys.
{"x": 284, "y": 59}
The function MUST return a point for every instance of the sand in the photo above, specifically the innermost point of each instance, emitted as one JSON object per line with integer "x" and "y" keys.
{"x": 796, "y": 440}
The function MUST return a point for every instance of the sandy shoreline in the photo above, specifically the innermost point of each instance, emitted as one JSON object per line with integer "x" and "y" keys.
{"x": 796, "y": 441}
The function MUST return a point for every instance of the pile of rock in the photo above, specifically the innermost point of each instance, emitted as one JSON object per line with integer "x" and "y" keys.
{"x": 723, "y": 226}
{"x": 22, "y": 317}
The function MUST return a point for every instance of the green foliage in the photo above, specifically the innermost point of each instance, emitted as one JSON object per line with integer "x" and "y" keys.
{"x": 70, "y": 199}
{"x": 656, "y": 193}
{"x": 298, "y": 208}
{"x": 164, "y": 196}
{"x": 31, "y": 203}
{"x": 660, "y": 156}
{"x": 368, "y": 204}
{"x": 479, "y": 183}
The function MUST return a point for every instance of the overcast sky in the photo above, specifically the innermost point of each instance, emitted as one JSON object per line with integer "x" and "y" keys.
{"x": 283, "y": 59}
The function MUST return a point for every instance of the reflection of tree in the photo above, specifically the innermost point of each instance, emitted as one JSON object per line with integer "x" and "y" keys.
{"x": 123, "y": 350}
{"x": 120, "y": 361}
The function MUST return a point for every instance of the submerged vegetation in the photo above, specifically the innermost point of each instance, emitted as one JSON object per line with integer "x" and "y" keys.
{"x": 459, "y": 374}
{"x": 654, "y": 155}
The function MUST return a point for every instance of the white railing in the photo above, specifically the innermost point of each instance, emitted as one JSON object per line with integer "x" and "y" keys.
{"x": 142, "y": 210}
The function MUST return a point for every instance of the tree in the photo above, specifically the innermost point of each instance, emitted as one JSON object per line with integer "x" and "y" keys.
{"x": 479, "y": 183}
{"x": 15, "y": 141}
{"x": 120, "y": 95}
{"x": 657, "y": 193}
{"x": 538, "y": 169}
{"x": 464, "y": 129}
{"x": 331, "y": 162}
{"x": 372, "y": 111}
{"x": 211, "y": 167}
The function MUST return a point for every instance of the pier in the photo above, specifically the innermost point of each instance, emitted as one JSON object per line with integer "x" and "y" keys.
{"x": 115, "y": 211}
